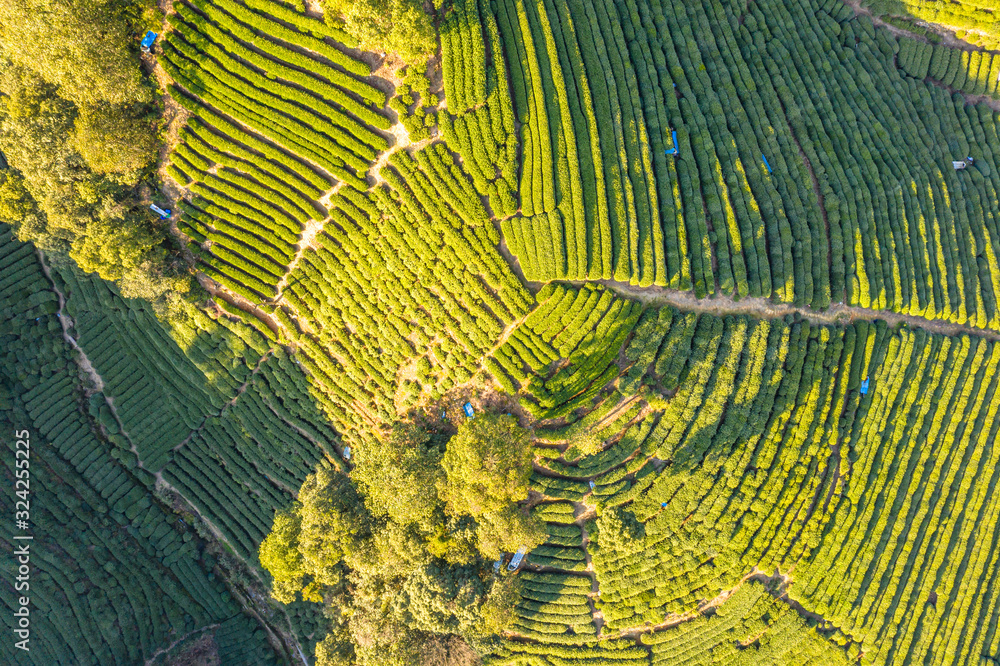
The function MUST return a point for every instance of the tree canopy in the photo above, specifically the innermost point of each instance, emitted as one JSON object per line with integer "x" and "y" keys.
{"x": 403, "y": 547}
{"x": 488, "y": 468}
{"x": 80, "y": 46}
{"x": 394, "y": 26}
{"x": 78, "y": 126}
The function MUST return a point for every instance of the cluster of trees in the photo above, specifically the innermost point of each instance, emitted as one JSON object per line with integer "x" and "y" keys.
{"x": 401, "y": 550}
{"x": 80, "y": 127}
{"x": 402, "y": 27}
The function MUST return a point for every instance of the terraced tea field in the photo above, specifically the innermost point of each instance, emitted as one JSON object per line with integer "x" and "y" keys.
{"x": 732, "y": 268}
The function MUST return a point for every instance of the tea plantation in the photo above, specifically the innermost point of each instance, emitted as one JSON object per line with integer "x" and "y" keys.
{"x": 694, "y": 303}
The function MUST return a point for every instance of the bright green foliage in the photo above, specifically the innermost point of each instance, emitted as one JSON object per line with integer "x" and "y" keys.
{"x": 599, "y": 87}
{"x": 414, "y": 283}
{"x": 585, "y": 326}
{"x": 973, "y": 72}
{"x": 750, "y": 627}
{"x": 307, "y": 127}
{"x": 388, "y": 468}
{"x": 488, "y": 464}
{"x": 259, "y": 166}
{"x": 479, "y": 120}
{"x": 393, "y": 26}
{"x": 774, "y": 460}
{"x": 973, "y": 21}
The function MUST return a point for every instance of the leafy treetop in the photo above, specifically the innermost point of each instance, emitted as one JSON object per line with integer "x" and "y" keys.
{"x": 401, "y": 550}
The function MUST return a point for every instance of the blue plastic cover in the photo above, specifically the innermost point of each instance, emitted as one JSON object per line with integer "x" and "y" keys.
{"x": 148, "y": 40}
{"x": 468, "y": 409}
{"x": 673, "y": 137}
{"x": 515, "y": 561}
{"x": 864, "y": 387}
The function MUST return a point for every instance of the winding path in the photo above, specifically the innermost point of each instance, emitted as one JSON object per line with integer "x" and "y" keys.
{"x": 767, "y": 309}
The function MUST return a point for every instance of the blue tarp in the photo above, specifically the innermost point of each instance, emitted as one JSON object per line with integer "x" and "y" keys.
{"x": 468, "y": 409}
{"x": 673, "y": 137}
{"x": 864, "y": 387}
{"x": 769, "y": 169}
{"x": 148, "y": 40}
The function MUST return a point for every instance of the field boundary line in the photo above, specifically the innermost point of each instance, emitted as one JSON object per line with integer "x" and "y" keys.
{"x": 764, "y": 308}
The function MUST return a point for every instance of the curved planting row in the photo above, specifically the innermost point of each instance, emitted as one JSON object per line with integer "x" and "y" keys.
{"x": 117, "y": 578}
{"x": 721, "y": 148}
{"x": 834, "y": 455}
{"x": 412, "y": 272}
{"x": 479, "y": 120}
